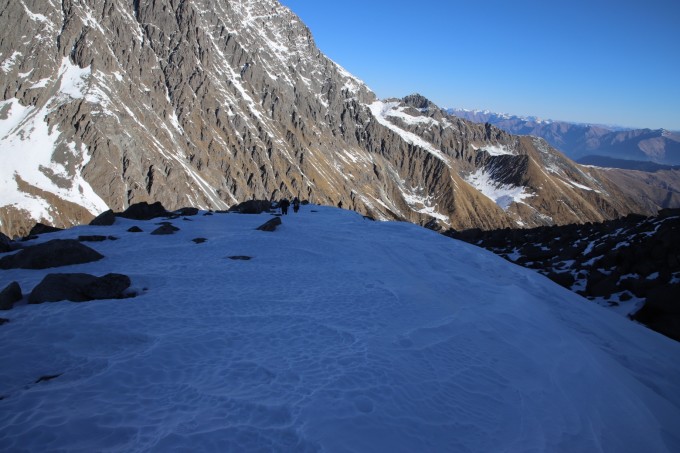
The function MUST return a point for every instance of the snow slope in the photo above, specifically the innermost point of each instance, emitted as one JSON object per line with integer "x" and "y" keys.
{"x": 340, "y": 334}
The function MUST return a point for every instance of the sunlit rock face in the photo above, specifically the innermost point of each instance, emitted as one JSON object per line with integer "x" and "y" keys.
{"x": 212, "y": 102}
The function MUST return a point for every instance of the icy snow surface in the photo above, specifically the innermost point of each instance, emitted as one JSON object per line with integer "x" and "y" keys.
{"x": 340, "y": 334}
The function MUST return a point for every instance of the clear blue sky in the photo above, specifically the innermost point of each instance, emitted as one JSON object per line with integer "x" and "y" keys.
{"x": 609, "y": 62}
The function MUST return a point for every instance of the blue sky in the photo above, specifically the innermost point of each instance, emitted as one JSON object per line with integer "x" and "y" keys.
{"x": 609, "y": 62}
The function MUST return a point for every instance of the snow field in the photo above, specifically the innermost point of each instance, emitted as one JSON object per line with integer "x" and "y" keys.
{"x": 340, "y": 334}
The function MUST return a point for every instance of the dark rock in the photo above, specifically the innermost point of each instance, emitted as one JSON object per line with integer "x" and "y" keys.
{"x": 54, "y": 253}
{"x": 187, "y": 220}
{"x": 240, "y": 258}
{"x": 252, "y": 207}
{"x": 3, "y": 321}
{"x": 199, "y": 240}
{"x": 625, "y": 296}
{"x": 368, "y": 217}
{"x": 601, "y": 285}
{"x": 48, "y": 377}
{"x": 565, "y": 279}
{"x": 431, "y": 225}
{"x": 112, "y": 238}
{"x": 41, "y": 228}
{"x": 207, "y": 213}
{"x": 5, "y": 244}
{"x": 144, "y": 211}
{"x": 164, "y": 229}
{"x": 10, "y": 295}
{"x": 106, "y": 218}
{"x": 79, "y": 288}
{"x": 665, "y": 298}
{"x": 93, "y": 238}
{"x": 29, "y": 238}
{"x": 270, "y": 225}
{"x": 187, "y": 212}
{"x": 661, "y": 312}
{"x": 134, "y": 229}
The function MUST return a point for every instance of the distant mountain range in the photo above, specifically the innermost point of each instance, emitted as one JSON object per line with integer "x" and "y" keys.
{"x": 578, "y": 140}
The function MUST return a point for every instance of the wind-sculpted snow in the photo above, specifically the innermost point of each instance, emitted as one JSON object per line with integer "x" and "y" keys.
{"x": 339, "y": 334}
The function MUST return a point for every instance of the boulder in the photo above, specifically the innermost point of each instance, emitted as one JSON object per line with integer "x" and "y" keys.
{"x": 3, "y": 321}
{"x": 41, "y": 228}
{"x": 10, "y": 295}
{"x": 252, "y": 207}
{"x": 199, "y": 240}
{"x": 187, "y": 212}
{"x": 92, "y": 238}
{"x": 106, "y": 218}
{"x": 135, "y": 229}
{"x": 54, "y": 253}
{"x": 144, "y": 211}
{"x": 79, "y": 288}
{"x": 166, "y": 228}
{"x": 270, "y": 225}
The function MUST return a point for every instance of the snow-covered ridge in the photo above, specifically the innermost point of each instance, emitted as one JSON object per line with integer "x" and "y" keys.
{"x": 382, "y": 110}
{"x": 338, "y": 334}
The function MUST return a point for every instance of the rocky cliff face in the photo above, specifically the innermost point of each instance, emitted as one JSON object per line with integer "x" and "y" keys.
{"x": 209, "y": 102}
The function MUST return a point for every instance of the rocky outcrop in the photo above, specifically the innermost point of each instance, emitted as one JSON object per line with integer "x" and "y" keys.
{"x": 54, "y": 253}
{"x": 79, "y": 288}
{"x": 211, "y": 102}
{"x": 144, "y": 211}
{"x": 106, "y": 218}
{"x": 632, "y": 261}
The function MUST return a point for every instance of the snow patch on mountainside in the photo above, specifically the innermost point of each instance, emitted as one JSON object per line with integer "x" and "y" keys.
{"x": 495, "y": 150}
{"x": 501, "y": 194}
{"x": 28, "y": 145}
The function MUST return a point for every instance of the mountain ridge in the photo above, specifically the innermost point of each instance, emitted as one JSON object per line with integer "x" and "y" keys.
{"x": 578, "y": 140}
{"x": 211, "y": 103}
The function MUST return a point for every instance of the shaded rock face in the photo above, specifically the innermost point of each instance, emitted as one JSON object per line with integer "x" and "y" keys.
{"x": 55, "y": 253}
{"x": 210, "y": 102}
{"x": 79, "y": 288}
{"x": 635, "y": 258}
